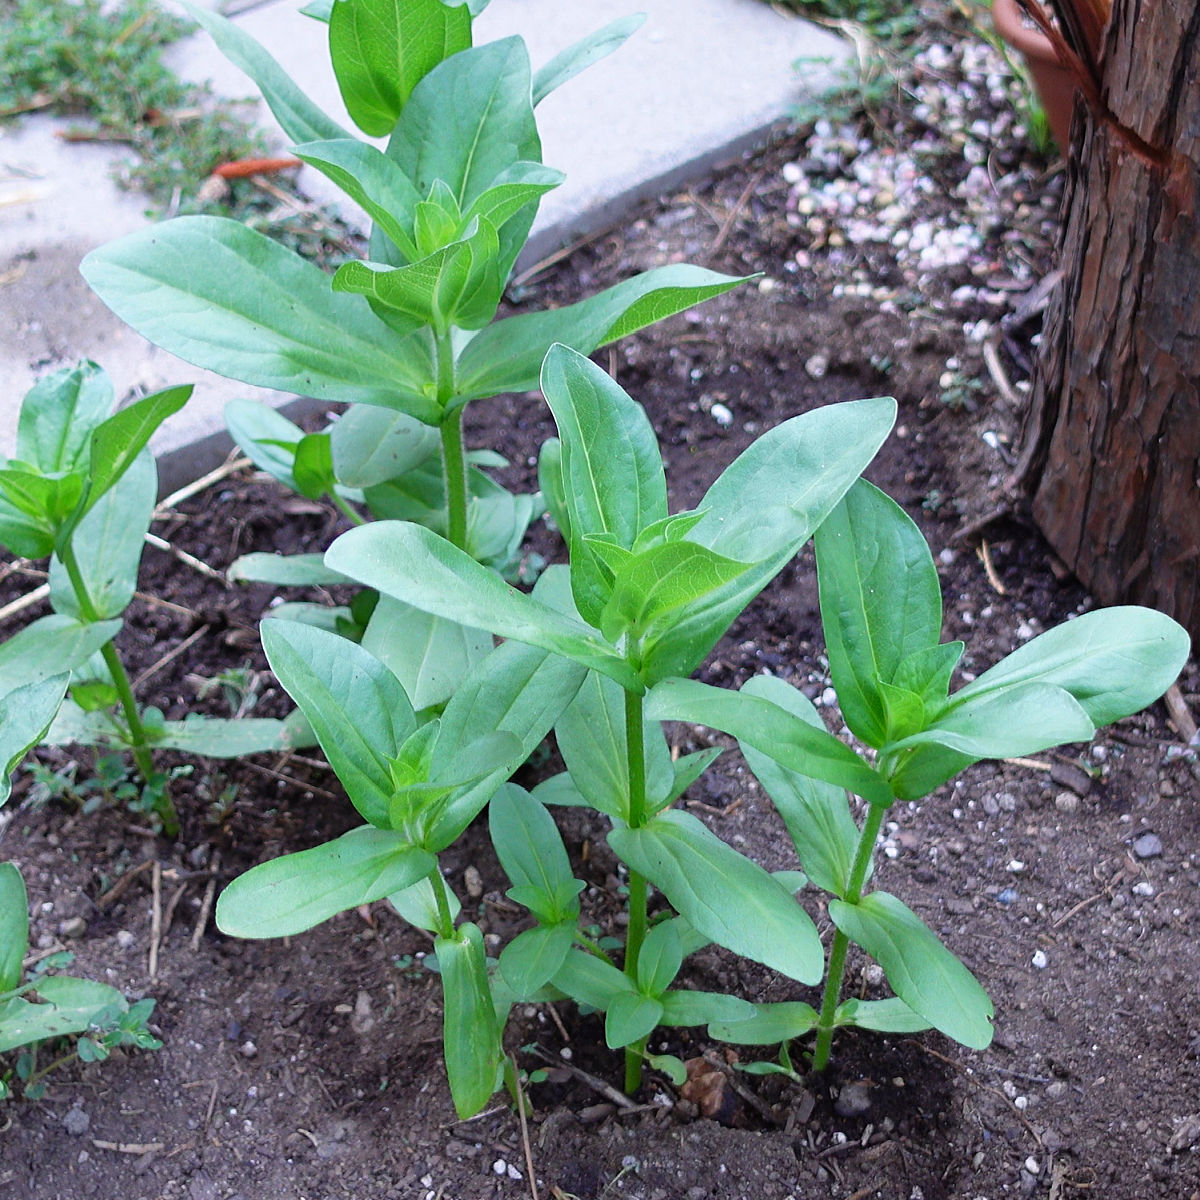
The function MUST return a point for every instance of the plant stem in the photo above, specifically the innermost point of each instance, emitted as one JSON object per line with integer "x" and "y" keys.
{"x": 454, "y": 461}
{"x": 445, "y": 918}
{"x": 346, "y": 509}
{"x": 139, "y": 743}
{"x": 841, "y": 943}
{"x": 591, "y": 947}
{"x": 635, "y": 750}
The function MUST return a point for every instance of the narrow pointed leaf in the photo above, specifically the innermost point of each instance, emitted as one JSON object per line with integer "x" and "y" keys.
{"x": 417, "y": 904}
{"x": 355, "y": 705}
{"x": 660, "y": 959}
{"x": 14, "y": 921}
{"x": 69, "y": 1006}
{"x": 48, "y": 646}
{"x": 471, "y": 1034}
{"x": 291, "y": 894}
{"x": 880, "y": 602}
{"x": 883, "y": 1016}
{"x": 300, "y": 118}
{"x": 213, "y": 737}
{"x": 592, "y": 981}
{"x": 1114, "y": 661}
{"x": 530, "y": 849}
{"x": 381, "y": 49}
{"x": 789, "y": 740}
{"x": 722, "y": 894}
{"x": 58, "y": 415}
{"x": 507, "y": 356}
{"x": 266, "y": 437}
{"x": 284, "y": 570}
{"x": 416, "y": 566}
{"x": 568, "y": 63}
{"x": 612, "y": 471}
{"x": 684, "y": 1007}
{"x": 920, "y": 970}
{"x": 280, "y": 326}
{"x": 816, "y": 813}
{"x": 108, "y": 545}
{"x": 770, "y": 1024}
{"x": 468, "y": 121}
{"x": 25, "y": 714}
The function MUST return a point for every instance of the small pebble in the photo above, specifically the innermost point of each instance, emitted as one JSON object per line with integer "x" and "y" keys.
{"x": 854, "y": 1100}
{"x": 1040, "y": 960}
{"x": 125, "y": 939}
{"x": 721, "y": 415}
{"x": 1149, "y": 845}
{"x": 1066, "y": 802}
{"x": 248, "y": 1049}
{"x": 72, "y": 927}
{"x": 76, "y": 1122}
{"x": 473, "y": 882}
{"x": 1143, "y": 888}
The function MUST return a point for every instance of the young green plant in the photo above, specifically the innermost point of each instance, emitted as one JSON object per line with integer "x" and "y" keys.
{"x": 82, "y": 489}
{"x": 881, "y": 609}
{"x": 651, "y": 593}
{"x": 409, "y": 337}
{"x": 417, "y": 785}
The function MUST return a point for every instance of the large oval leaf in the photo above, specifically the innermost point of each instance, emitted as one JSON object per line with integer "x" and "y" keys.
{"x": 221, "y": 296}
{"x": 921, "y": 971}
{"x": 722, "y": 894}
{"x": 471, "y": 1034}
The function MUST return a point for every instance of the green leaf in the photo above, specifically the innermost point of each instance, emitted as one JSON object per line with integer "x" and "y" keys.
{"x": 684, "y": 1007}
{"x": 531, "y": 851}
{"x": 816, "y": 813}
{"x": 591, "y": 738}
{"x": 1009, "y": 723}
{"x": 38, "y": 504}
{"x": 416, "y": 566}
{"x": 592, "y": 981}
{"x": 1114, "y": 661}
{"x": 58, "y": 415}
{"x": 71, "y": 1006}
{"x": 221, "y": 296}
{"x": 670, "y": 1065}
{"x": 417, "y": 904}
{"x": 300, "y": 118}
{"x": 722, "y": 894}
{"x": 355, "y": 705}
{"x": 507, "y": 356}
{"x": 658, "y": 582}
{"x": 284, "y": 570}
{"x": 381, "y": 49}
{"x": 921, "y": 971}
{"x": 48, "y": 646}
{"x": 266, "y": 437}
{"x": 373, "y": 445}
{"x": 612, "y": 471}
{"x": 688, "y": 768}
{"x": 535, "y": 956}
{"x": 591, "y": 49}
{"x": 430, "y": 655}
{"x": 471, "y": 1034}
{"x": 883, "y": 1016}
{"x": 927, "y": 673}
{"x": 468, "y": 121}
{"x": 14, "y": 921}
{"x": 660, "y": 959}
{"x": 313, "y": 467}
{"x": 629, "y": 1018}
{"x": 108, "y": 546}
{"x": 764, "y": 507}
{"x": 518, "y": 691}
{"x": 880, "y": 603}
{"x": 25, "y": 715}
{"x": 117, "y": 442}
{"x": 291, "y": 894}
{"x": 770, "y": 1024}
{"x": 213, "y": 737}
{"x": 790, "y": 740}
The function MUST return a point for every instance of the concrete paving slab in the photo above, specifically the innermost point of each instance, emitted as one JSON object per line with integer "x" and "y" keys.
{"x": 699, "y": 81}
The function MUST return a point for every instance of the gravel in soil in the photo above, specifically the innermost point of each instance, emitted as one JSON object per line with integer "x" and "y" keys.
{"x": 889, "y": 257}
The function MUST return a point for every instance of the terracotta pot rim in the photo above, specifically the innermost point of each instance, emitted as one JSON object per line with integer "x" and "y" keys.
{"x": 1030, "y": 41}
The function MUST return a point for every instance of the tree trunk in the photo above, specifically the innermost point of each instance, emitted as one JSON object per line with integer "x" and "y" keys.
{"x": 1111, "y": 449}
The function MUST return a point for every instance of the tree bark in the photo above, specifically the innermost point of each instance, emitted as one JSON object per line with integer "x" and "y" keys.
{"x": 1111, "y": 448}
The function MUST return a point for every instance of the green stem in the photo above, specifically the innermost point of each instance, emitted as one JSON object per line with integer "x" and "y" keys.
{"x": 139, "y": 742}
{"x": 454, "y": 460}
{"x": 841, "y": 943}
{"x": 591, "y": 947}
{"x": 635, "y": 749}
{"x": 346, "y": 509}
{"x": 445, "y": 918}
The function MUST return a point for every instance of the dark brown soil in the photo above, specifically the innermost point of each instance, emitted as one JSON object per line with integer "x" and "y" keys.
{"x": 311, "y": 1067}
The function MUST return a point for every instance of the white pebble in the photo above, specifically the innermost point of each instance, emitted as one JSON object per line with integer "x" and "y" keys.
{"x": 721, "y": 415}
{"x": 1040, "y": 960}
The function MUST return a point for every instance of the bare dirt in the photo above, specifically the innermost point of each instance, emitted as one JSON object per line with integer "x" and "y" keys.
{"x": 310, "y": 1068}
